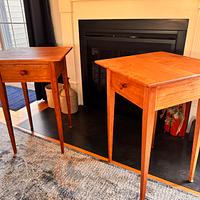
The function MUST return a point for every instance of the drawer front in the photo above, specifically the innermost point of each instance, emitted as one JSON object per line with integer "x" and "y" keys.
{"x": 128, "y": 88}
{"x": 25, "y": 73}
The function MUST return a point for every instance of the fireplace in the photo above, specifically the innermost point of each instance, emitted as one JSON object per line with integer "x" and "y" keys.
{"x": 100, "y": 39}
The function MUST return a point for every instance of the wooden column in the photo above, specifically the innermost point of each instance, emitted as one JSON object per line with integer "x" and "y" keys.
{"x": 154, "y": 129}
{"x": 4, "y": 101}
{"x": 148, "y": 119}
{"x": 110, "y": 114}
{"x": 27, "y": 102}
{"x": 66, "y": 88}
{"x": 56, "y": 99}
{"x": 196, "y": 145}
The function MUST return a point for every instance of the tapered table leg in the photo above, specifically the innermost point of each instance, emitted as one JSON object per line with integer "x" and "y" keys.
{"x": 154, "y": 129}
{"x": 196, "y": 145}
{"x": 27, "y": 102}
{"x": 56, "y": 98}
{"x": 4, "y": 101}
{"x": 148, "y": 118}
{"x": 110, "y": 114}
{"x": 66, "y": 87}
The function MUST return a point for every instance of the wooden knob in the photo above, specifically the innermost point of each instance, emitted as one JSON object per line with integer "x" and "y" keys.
{"x": 123, "y": 85}
{"x": 23, "y": 72}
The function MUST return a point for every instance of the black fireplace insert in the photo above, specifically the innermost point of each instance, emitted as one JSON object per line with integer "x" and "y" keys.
{"x": 100, "y": 39}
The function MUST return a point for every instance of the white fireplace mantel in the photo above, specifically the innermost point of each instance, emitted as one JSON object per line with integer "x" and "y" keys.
{"x": 66, "y": 14}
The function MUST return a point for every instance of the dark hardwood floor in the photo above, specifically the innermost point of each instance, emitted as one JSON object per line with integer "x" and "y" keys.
{"x": 170, "y": 158}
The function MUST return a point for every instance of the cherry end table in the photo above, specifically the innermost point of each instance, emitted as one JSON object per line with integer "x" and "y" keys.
{"x": 34, "y": 64}
{"x": 152, "y": 81}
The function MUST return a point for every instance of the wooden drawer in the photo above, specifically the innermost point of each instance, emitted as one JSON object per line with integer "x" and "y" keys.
{"x": 25, "y": 73}
{"x": 128, "y": 89}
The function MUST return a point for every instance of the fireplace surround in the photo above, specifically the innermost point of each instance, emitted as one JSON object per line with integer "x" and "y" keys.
{"x": 100, "y": 39}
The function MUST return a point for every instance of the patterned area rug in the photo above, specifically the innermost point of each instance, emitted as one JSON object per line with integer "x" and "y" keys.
{"x": 40, "y": 172}
{"x": 16, "y": 97}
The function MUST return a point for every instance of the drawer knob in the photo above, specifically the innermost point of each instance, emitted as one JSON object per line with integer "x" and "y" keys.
{"x": 23, "y": 72}
{"x": 123, "y": 85}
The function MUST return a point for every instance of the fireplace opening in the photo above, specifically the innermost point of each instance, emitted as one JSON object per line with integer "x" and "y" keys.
{"x": 101, "y": 39}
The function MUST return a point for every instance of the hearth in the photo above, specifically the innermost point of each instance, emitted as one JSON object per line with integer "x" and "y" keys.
{"x": 100, "y": 39}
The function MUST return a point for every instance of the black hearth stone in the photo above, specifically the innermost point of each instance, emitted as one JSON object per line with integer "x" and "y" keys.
{"x": 170, "y": 158}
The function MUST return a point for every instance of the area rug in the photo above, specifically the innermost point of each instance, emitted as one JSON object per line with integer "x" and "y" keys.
{"x": 16, "y": 97}
{"x": 40, "y": 171}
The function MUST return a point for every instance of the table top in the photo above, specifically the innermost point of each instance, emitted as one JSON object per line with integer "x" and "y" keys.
{"x": 153, "y": 69}
{"x": 32, "y": 54}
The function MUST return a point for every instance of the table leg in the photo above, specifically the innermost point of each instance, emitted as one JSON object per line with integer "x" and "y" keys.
{"x": 196, "y": 145}
{"x": 56, "y": 98}
{"x": 66, "y": 87}
{"x": 148, "y": 118}
{"x": 4, "y": 101}
{"x": 110, "y": 114}
{"x": 154, "y": 129}
{"x": 27, "y": 102}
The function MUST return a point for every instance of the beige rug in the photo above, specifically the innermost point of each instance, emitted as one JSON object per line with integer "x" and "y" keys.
{"x": 40, "y": 172}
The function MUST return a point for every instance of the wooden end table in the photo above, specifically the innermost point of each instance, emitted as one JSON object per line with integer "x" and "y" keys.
{"x": 152, "y": 81}
{"x": 34, "y": 64}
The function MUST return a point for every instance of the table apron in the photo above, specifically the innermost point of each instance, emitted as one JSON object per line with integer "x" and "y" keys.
{"x": 177, "y": 93}
{"x": 167, "y": 95}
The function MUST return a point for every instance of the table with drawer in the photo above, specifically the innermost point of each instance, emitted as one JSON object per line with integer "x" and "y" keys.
{"x": 34, "y": 64}
{"x": 152, "y": 81}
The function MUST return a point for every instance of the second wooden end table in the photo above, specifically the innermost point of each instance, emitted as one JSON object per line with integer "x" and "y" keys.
{"x": 36, "y": 64}
{"x": 152, "y": 81}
